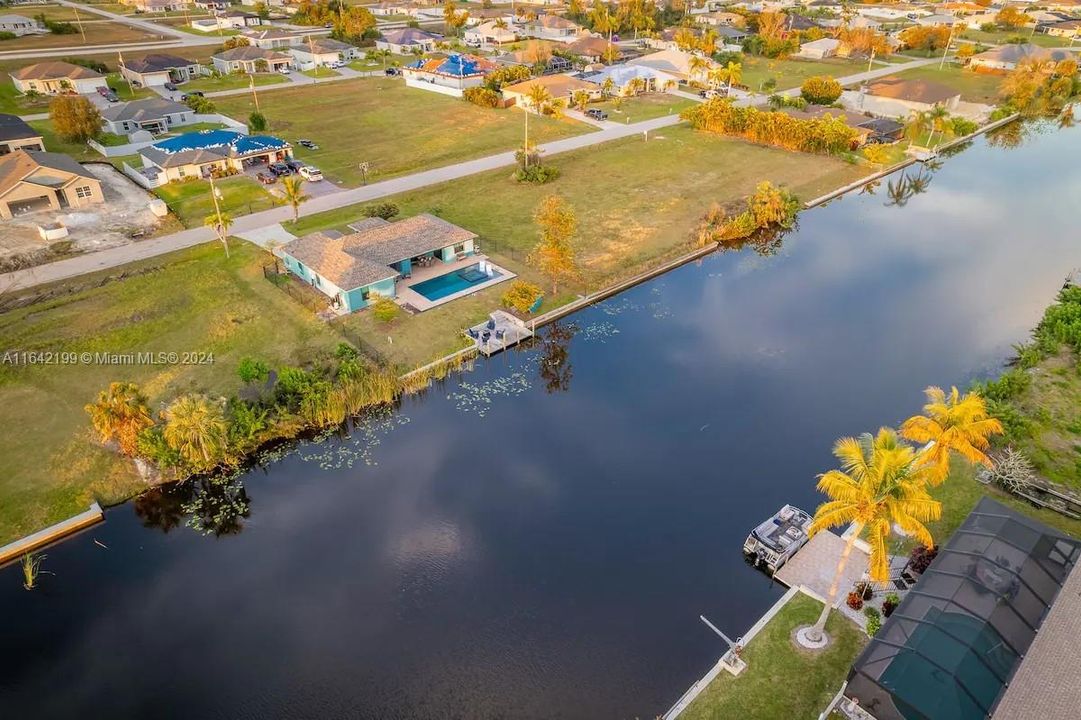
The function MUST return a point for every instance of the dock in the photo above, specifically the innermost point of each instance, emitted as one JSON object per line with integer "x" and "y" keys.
{"x": 59, "y": 531}
{"x": 501, "y": 331}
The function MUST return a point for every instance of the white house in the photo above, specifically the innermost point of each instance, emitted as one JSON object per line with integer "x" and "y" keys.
{"x": 155, "y": 115}
{"x": 250, "y": 60}
{"x": 55, "y": 76}
{"x": 407, "y": 40}
{"x": 1007, "y": 57}
{"x": 272, "y": 38}
{"x": 819, "y": 49}
{"x": 489, "y": 33}
{"x": 625, "y": 77}
{"x": 448, "y": 76}
{"x": 552, "y": 27}
{"x": 675, "y": 63}
{"x": 158, "y": 68}
{"x": 198, "y": 154}
{"x": 20, "y": 25}
{"x": 322, "y": 52}
{"x": 559, "y": 87}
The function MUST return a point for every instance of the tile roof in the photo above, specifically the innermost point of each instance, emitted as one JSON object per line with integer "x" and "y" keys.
{"x": 364, "y": 257}
{"x": 589, "y": 46}
{"x": 140, "y": 110}
{"x": 54, "y": 70}
{"x": 923, "y": 91}
{"x": 250, "y": 53}
{"x": 13, "y": 127}
{"x": 409, "y": 36}
{"x": 1011, "y": 53}
{"x": 157, "y": 63}
{"x": 558, "y": 85}
{"x": 17, "y": 165}
{"x": 552, "y": 22}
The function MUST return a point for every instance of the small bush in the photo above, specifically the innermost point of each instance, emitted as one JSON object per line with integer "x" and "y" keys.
{"x": 920, "y": 558}
{"x": 878, "y": 154}
{"x": 521, "y": 296}
{"x": 890, "y": 603}
{"x": 536, "y": 174}
{"x": 5, "y": 35}
{"x": 385, "y": 210}
{"x": 385, "y": 309}
{"x": 257, "y": 122}
{"x": 200, "y": 104}
{"x": 821, "y": 90}
{"x": 865, "y": 590}
{"x": 482, "y": 96}
{"x": 250, "y": 370}
{"x": 854, "y": 600}
{"x": 94, "y": 65}
{"x": 963, "y": 126}
{"x": 874, "y": 621}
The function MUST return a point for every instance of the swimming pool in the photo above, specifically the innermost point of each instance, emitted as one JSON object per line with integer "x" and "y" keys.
{"x": 461, "y": 279}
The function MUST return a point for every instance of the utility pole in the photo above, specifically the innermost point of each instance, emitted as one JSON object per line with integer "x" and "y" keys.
{"x": 121, "y": 67}
{"x": 79, "y": 22}
{"x": 947, "y": 50}
{"x": 217, "y": 213}
{"x": 254, "y": 95}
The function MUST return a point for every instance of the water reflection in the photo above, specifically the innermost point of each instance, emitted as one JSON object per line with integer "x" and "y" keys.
{"x": 554, "y": 364}
{"x": 216, "y": 505}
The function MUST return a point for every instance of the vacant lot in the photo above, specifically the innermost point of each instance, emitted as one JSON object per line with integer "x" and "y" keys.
{"x": 973, "y": 86}
{"x": 782, "y": 680}
{"x": 1001, "y": 37}
{"x": 396, "y": 129}
{"x": 232, "y": 81}
{"x": 58, "y": 13}
{"x": 97, "y": 33}
{"x": 791, "y": 73}
{"x": 636, "y": 202}
{"x": 643, "y": 107}
{"x": 194, "y": 300}
{"x": 191, "y": 202}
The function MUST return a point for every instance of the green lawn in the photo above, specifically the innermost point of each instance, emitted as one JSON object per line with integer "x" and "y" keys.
{"x": 15, "y": 104}
{"x": 127, "y": 92}
{"x": 53, "y": 143}
{"x": 791, "y": 73}
{"x": 233, "y": 81}
{"x": 637, "y": 203}
{"x": 191, "y": 202}
{"x": 1000, "y": 37}
{"x": 643, "y": 107}
{"x": 377, "y": 63}
{"x": 193, "y": 300}
{"x": 97, "y": 33}
{"x": 58, "y": 13}
{"x": 973, "y": 86}
{"x": 782, "y": 680}
{"x": 396, "y": 129}
{"x": 321, "y": 72}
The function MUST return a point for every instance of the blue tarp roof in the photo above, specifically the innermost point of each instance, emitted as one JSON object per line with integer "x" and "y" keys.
{"x": 206, "y": 139}
{"x": 455, "y": 66}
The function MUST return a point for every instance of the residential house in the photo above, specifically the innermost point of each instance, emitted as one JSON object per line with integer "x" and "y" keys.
{"x": 158, "y": 6}
{"x": 819, "y": 49}
{"x": 232, "y": 20}
{"x": 158, "y": 69}
{"x": 155, "y": 115}
{"x": 31, "y": 180}
{"x": 731, "y": 35}
{"x": 869, "y": 129}
{"x": 897, "y": 97}
{"x": 800, "y": 23}
{"x": 975, "y": 22}
{"x": 722, "y": 19}
{"x": 20, "y": 25}
{"x": 629, "y": 79}
{"x": 200, "y": 154}
{"x": 450, "y": 75}
{"x": 55, "y": 76}
{"x": 666, "y": 38}
{"x": 591, "y": 48}
{"x": 214, "y": 6}
{"x": 408, "y": 40}
{"x": 272, "y": 38}
{"x": 1063, "y": 28}
{"x": 674, "y": 62}
{"x": 250, "y": 60}
{"x": 947, "y": 20}
{"x": 354, "y": 270}
{"x": 552, "y": 27}
{"x": 15, "y": 134}
{"x": 560, "y": 87}
{"x": 1007, "y": 57}
{"x": 489, "y": 33}
{"x": 322, "y": 52}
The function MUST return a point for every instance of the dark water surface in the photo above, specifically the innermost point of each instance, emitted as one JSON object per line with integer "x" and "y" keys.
{"x": 528, "y": 545}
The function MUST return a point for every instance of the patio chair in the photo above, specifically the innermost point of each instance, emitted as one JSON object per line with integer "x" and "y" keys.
{"x": 473, "y": 333}
{"x": 500, "y": 334}
{"x": 491, "y": 324}
{"x": 485, "y": 337}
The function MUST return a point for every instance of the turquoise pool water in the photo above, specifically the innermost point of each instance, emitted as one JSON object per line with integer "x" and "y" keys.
{"x": 461, "y": 279}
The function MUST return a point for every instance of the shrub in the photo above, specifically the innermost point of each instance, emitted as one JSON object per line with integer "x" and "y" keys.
{"x": 963, "y": 126}
{"x": 878, "y": 154}
{"x": 94, "y": 65}
{"x": 865, "y": 590}
{"x": 820, "y": 90}
{"x": 5, "y": 35}
{"x": 536, "y": 174}
{"x": 890, "y": 603}
{"x": 826, "y": 135}
{"x": 385, "y": 309}
{"x": 854, "y": 600}
{"x": 874, "y": 621}
{"x": 920, "y": 558}
{"x": 200, "y": 105}
{"x": 257, "y": 121}
{"x": 521, "y": 296}
{"x": 250, "y": 370}
{"x": 385, "y": 210}
{"x": 483, "y": 96}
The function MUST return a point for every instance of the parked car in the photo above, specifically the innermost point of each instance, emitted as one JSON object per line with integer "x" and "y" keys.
{"x": 103, "y": 91}
{"x": 283, "y": 70}
{"x": 308, "y": 144}
{"x": 170, "y": 87}
{"x": 279, "y": 169}
{"x": 267, "y": 178}
{"x": 294, "y": 165}
{"x": 337, "y": 64}
{"x": 111, "y": 96}
{"x": 311, "y": 173}
{"x": 596, "y": 114}
{"x": 193, "y": 93}
{"x": 392, "y": 71}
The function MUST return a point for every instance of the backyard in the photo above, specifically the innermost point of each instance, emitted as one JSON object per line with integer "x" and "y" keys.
{"x": 791, "y": 73}
{"x": 643, "y": 107}
{"x": 396, "y": 129}
{"x": 666, "y": 184}
{"x": 781, "y": 680}
{"x": 191, "y": 202}
{"x": 192, "y": 300}
{"x": 973, "y": 86}
{"x": 14, "y": 103}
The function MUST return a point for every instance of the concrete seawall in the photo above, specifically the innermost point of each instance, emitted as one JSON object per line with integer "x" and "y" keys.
{"x": 43, "y": 538}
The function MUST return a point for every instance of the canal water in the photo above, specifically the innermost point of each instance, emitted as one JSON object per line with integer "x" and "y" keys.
{"x": 537, "y": 539}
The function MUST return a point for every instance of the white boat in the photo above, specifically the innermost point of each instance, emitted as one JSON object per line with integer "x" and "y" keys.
{"x": 777, "y": 539}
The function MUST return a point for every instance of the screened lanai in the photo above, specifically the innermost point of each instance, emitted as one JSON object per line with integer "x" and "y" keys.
{"x": 956, "y": 640}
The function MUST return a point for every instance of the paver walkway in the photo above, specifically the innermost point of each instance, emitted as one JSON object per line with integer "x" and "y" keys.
{"x": 815, "y": 564}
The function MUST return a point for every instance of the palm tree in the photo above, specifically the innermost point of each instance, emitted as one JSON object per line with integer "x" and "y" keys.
{"x": 120, "y": 413}
{"x": 880, "y": 484}
{"x": 951, "y": 423}
{"x": 294, "y": 194}
{"x": 732, "y": 73}
{"x": 220, "y": 222}
{"x": 708, "y": 42}
{"x": 580, "y": 98}
{"x": 539, "y": 96}
{"x": 938, "y": 116}
{"x": 385, "y": 53}
{"x": 918, "y": 125}
{"x": 698, "y": 65}
{"x": 607, "y": 86}
{"x": 196, "y": 428}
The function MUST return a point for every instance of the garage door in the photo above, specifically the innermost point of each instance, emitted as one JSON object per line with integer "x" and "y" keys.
{"x": 21, "y": 207}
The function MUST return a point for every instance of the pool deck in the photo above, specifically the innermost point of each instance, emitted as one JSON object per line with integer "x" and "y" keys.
{"x": 419, "y": 303}
{"x": 814, "y": 565}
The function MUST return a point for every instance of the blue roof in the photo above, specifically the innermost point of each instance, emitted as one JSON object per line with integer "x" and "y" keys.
{"x": 205, "y": 139}
{"x": 454, "y": 65}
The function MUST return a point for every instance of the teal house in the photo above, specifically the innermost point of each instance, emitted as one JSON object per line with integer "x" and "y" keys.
{"x": 353, "y": 270}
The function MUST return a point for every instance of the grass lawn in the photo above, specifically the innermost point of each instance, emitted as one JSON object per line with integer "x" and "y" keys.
{"x": 376, "y": 63}
{"x": 53, "y": 143}
{"x": 193, "y": 300}
{"x": 643, "y": 107}
{"x": 58, "y": 13}
{"x": 637, "y": 203}
{"x": 791, "y": 73}
{"x": 782, "y": 680}
{"x": 397, "y": 129}
{"x": 127, "y": 92}
{"x": 1001, "y": 37}
{"x": 232, "y": 81}
{"x": 974, "y": 87}
{"x": 97, "y": 33}
{"x": 15, "y": 104}
{"x": 321, "y": 72}
{"x": 191, "y": 202}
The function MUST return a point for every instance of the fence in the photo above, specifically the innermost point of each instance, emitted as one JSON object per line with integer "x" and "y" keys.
{"x": 141, "y": 180}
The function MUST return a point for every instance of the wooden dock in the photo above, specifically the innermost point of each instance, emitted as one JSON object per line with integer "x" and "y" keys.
{"x": 501, "y": 331}
{"x": 59, "y": 531}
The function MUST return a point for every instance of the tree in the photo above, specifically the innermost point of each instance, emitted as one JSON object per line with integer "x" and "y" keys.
{"x": 820, "y": 90}
{"x": 352, "y": 23}
{"x": 292, "y": 188}
{"x": 196, "y": 427}
{"x": 708, "y": 42}
{"x": 685, "y": 39}
{"x": 554, "y": 255}
{"x": 731, "y": 74}
{"x": 262, "y": 11}
{"x": 1010, "y": 18}
{"x": 771, "y": 25}
{"x": 454, "y": 20}
{"x": 220, "y": 222}
{"x": 251, "y": 370}
{"x": 862, "y": 41}
{"x": 257, "y": 121}
{"x": 74, "y": 118}
{"x": 879, "y": 484}
{"x": 953, "y": 423}
{"x": 580, "y": 98}
{"x": 539, "y": 96}
{"x": 235, "y": 42}
{"x": 604, "y": 21}
{"x": 120, "y": 413}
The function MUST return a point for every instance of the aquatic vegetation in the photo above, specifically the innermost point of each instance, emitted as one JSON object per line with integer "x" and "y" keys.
{"x": 366, "y": 435}
{"x": 31, "y": 564}
{"x": 478, "y": 398}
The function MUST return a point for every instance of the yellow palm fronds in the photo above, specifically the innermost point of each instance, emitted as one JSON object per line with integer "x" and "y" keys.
{"x": 951, "y": 423}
